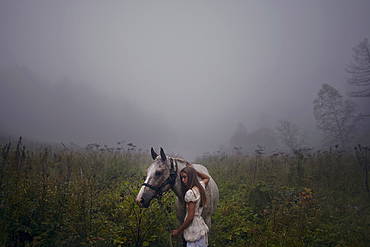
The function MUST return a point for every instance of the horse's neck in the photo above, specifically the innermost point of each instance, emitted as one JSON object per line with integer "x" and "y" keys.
{"x": 179, "y": 164}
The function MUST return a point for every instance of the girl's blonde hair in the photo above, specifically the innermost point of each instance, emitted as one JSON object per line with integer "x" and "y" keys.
{"x": 193, "y": 181}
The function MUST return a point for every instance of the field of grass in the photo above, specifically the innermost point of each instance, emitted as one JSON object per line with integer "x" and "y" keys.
{"x": 309, "y": 199}
{"x": 85, "y": 197}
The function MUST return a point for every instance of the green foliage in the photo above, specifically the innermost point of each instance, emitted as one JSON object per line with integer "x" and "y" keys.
{"x": 309, "y": 199}
{"x": 87, "y": 198}
{"x": 75, "y": 198}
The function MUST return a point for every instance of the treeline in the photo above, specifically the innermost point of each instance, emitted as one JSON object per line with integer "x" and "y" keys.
{"x": 336, "y": 117}
{"x": 336, "y": 120}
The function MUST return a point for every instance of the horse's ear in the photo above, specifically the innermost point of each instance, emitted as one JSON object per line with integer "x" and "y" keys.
{"x": 163, "y": 155}
{"x": 154, "y": 154}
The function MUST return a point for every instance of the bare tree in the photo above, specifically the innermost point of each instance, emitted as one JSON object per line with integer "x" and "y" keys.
{"x": 360, "y": 69}
{"x": 290, "y": 135}
{"x": 335, "y": 116}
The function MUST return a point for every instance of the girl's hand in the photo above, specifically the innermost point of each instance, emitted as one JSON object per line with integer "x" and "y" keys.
{"x": 175, "y": 233}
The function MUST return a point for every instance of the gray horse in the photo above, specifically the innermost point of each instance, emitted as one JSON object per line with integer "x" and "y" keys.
{"x": 164, "y": 174}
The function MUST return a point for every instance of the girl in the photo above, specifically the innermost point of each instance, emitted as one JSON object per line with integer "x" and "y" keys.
{"x": 194, "y": 228}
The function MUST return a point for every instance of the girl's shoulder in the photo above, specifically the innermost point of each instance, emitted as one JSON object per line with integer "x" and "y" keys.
{"x": 192, "y": 195}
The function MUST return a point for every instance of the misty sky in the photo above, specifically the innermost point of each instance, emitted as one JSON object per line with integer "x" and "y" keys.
{"x": 177, "y": 74}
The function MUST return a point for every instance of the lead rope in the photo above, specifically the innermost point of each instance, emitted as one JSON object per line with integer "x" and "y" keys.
{"x": 168, "y": 223}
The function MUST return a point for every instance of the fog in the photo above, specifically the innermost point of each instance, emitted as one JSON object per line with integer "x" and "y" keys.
{"x": 182, "y": 75}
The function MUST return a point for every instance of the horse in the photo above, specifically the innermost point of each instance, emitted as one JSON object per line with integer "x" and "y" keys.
{"x": 164, "y": 174}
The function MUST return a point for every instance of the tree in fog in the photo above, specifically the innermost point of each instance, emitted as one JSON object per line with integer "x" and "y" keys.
{"x": 360, "y": 69}
{"x": 335, "y": 116}
{"x": 290, "y": 135}
{"x": 248, "y": 142}
{"x": 263, "y": 137}
{"x": 239, "y": 137}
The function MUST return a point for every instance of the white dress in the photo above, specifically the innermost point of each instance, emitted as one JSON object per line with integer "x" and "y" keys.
{"x": 197, "y": 227}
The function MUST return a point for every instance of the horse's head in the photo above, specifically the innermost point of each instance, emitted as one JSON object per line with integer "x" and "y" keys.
{"x": 160, "y": 176}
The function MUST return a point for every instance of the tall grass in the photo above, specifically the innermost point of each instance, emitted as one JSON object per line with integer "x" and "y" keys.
{"x": 74, "y": 198}
{"x": 307, "y": 199}
{"x": 85, "y": 197}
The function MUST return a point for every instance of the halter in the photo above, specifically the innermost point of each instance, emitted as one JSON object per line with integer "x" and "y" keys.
{"x": 170, "y": 180}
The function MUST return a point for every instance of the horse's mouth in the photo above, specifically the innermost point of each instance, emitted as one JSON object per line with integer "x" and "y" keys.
{"x": 143, "y": 203}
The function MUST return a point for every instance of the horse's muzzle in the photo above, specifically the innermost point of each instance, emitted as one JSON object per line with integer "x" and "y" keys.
{"x": 144, "y": 201}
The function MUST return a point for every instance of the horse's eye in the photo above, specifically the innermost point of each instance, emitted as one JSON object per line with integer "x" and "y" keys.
{"x": 158, "y": 174}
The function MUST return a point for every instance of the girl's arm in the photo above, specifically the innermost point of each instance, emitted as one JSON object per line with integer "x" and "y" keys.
{"x": 205, "y": 177}
{"x": 188, "y": 220}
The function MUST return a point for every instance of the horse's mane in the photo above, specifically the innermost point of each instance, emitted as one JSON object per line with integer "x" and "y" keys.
{"x": 181, "y": 160}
